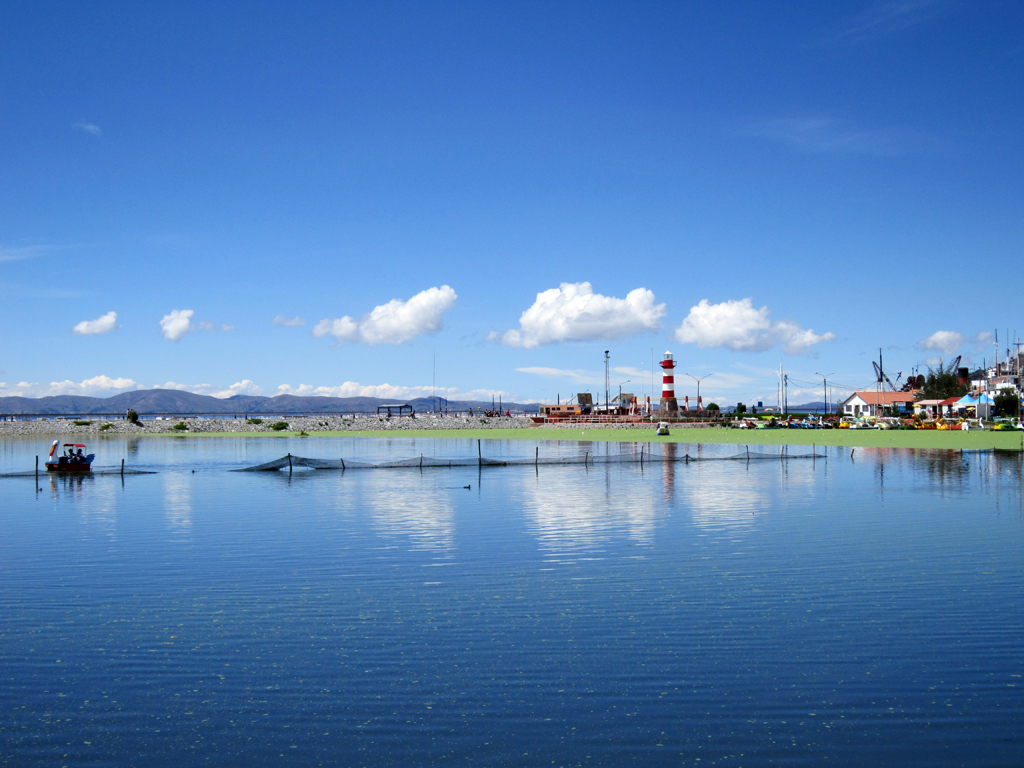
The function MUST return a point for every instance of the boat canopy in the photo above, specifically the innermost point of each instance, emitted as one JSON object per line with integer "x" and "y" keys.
{"x": 74, "y": 445}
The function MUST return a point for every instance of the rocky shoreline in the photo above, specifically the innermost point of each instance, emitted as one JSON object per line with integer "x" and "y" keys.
{"x": 308, "y": 424}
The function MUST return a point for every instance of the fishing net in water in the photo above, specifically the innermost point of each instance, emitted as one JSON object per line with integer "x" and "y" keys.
{"x": 423, "y": 462}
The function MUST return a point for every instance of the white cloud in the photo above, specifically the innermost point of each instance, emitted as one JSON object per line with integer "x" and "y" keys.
{"x": 24, "y": 252}
{"x": 104, "y": 324}
{"x": 395, "y": 392}
{"x": 90, "y": 128}
{"x": 825, "y": 135}
{"x": 578, "y": 376}
{"x": 395, "y": 322}
{"x": 942, "y": 341}
{"x": 244, "y": 387}
{"x": 736, "y": 325}
{"x": 290, "y": 322}
{"x": 343, "y": 329}
{"x": 573, "y": 312}
{"x": 177, "y": 324}
{"x": 91, "y": 387}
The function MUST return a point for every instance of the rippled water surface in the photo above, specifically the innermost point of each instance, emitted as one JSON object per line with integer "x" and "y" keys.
{"x": 863, "y": 609}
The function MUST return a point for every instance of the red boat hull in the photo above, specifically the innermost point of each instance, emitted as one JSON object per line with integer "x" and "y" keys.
{"x": 69, "y": 468}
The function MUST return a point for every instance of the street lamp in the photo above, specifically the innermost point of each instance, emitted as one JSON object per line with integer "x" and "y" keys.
{"x": 698, "y": 380}
{"x": 824, "y": 386}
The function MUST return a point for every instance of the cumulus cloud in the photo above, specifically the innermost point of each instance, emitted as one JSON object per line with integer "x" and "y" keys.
{"x": 942, "y": 341}
{"x": 343, "y": 329}
{"x": 104, "y": 324}
{"x": 395, "y": 322}
{"x": 573, "y": 312}
{"x": 394, "y": 392}
{"x": 91, "y": 387}
{"x": 90, "y": 128}
{"x": 177, "y": 324}
{"x": 244, "y": 387}
{"x": 738, "y": 326}
{"x": 290, "y": 322}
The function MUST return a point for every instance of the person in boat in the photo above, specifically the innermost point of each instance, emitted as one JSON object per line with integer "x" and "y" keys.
{"x": 80, "y": 457}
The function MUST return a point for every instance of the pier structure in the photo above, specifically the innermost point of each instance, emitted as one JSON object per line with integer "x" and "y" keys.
{"x": 668, "y": 404}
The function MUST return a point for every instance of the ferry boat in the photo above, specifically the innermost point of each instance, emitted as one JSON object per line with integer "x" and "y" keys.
{"x": 74, "y": 459}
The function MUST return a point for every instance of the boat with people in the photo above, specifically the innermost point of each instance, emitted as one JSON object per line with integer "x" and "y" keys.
{"x": 73, "y": 459}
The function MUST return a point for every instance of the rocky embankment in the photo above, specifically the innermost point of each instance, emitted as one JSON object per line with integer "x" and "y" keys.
{"x": 311, "y": 425}
{"x": 308, "y": 424}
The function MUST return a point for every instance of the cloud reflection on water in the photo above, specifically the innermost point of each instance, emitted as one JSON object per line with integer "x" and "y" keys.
{"x": 406, "y": 506}
{"x": 574, "y": 516}
{"x": 178, "y": 500}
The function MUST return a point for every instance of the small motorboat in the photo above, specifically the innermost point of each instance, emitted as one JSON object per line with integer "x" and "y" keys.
{"x": 74, "y": 458}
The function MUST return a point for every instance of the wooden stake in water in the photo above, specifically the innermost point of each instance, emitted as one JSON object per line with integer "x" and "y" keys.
{"x": 37, "y": 472}
{"x": 479, "y": 456}
{"x": 122, "y": 467}
{"x": 536, "y": 456}
{"x": 289, "y": 463}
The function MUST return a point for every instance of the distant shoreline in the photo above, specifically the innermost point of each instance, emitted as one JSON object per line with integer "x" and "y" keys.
{"x": 518, "y": 428}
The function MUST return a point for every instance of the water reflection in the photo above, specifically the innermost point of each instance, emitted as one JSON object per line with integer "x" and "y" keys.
{"x": 724, "y": 496}
{"x": 407, "y": 506}
{"x": 73, "y": 485}
{"x": 178, "y": 500}
{"x": 571, "y": 515}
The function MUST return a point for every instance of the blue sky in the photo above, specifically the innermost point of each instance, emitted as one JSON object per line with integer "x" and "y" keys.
{"x": 328, "y": 198}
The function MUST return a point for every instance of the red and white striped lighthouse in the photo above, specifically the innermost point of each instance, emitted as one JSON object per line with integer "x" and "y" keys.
{"x": 668, "y": 384}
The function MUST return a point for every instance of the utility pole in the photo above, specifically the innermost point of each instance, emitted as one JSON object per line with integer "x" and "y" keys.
{"x": 824, "y": 386}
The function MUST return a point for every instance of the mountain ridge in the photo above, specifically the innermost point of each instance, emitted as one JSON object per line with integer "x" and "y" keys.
{"x": 172, "y": 401}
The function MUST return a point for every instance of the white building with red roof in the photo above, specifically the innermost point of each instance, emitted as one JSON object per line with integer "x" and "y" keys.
{"x": 873, "y": 403}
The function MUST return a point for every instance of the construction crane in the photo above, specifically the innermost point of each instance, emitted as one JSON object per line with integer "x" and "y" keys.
{"x": 880, "y": 375}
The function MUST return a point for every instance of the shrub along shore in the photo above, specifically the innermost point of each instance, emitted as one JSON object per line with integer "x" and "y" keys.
{"x": 511, "y": 428}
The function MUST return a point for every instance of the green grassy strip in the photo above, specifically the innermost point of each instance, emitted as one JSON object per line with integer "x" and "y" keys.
{"x": 857, "y": 438}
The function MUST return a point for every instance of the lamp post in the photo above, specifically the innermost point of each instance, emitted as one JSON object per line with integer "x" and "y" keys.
{"x": 824, "y": 386}
{"x": 698, "y": 380}
{"x": 606, "y": 387}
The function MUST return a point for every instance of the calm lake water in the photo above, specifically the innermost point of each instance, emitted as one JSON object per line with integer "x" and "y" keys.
{"x": 854, "y": 610}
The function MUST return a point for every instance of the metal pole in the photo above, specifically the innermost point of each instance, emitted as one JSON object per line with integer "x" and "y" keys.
{"x": 607, "y": 381}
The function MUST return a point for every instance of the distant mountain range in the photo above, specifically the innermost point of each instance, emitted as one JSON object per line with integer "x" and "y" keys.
{"x": 170, "y": 401}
